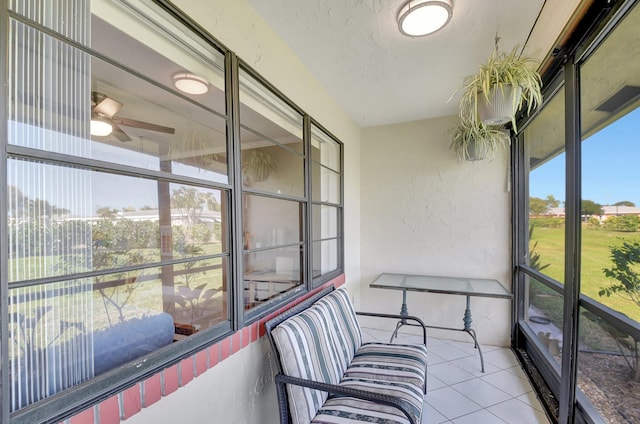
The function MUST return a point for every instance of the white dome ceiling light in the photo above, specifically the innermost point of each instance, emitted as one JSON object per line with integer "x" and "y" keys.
{"x": 423, "y": 17}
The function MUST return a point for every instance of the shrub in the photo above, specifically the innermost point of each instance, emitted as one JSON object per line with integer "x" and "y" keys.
{"x": 622, "y": 223}
{"x": 547, "y": 222}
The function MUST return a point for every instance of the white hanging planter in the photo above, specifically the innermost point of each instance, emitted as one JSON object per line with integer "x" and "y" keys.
{"x": 501, "y": 107}
{"x": 475, "y": 151}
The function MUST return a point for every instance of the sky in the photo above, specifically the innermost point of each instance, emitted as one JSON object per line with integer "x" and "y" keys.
{"x": 610, "y": 166}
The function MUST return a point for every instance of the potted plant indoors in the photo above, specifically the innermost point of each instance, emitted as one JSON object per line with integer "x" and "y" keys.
{"x": 474, "y": 141}
{"x": 501, "y": 88}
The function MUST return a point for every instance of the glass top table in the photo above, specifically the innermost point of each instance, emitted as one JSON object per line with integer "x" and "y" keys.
{"x": 444, "y": 285}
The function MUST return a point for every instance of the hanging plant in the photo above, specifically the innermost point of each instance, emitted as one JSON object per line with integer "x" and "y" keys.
{"x": 502, "y": 85}
{"x": 258, "y": 166}
{"x": 475, "y": 141}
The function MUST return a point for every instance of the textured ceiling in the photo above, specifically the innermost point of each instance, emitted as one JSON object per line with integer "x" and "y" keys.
{"x": 378, "y": 75}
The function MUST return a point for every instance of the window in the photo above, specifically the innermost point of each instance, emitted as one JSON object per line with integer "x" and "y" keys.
{"x": 326, "y": 154}
{"x": 609, "y": 328}
{"x": 124, "y": 193}
{"x": 578, "y": 268}
{"x": 130, "y": 233}
{"x": 274, "y": 203}
{"x": 545, "y": 155}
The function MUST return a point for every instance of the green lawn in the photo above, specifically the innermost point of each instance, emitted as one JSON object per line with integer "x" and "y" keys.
{"x": 595, "y": 256}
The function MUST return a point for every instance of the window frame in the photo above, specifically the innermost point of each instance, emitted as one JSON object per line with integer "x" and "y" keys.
{"x": 66, "y": 403}
{"x": 564, "y": 71}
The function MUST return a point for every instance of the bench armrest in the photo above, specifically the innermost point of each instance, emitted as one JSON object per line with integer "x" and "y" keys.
{"x": 403, "y": 318}
{"x": 333, "y": 389}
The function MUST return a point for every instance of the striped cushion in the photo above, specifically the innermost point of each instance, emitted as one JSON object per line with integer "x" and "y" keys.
{"x": 343, "y": 410}
{"x": 390, "y": 363}
{"x": 306, "y": 352}
{"x": 345, "y": 327}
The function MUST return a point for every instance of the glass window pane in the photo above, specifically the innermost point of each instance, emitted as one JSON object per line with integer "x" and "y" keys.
{"x": 325, "y": 222}
{"x": 544, "y": 141}
{"x": 271, "y": 222}
{"x": 109, "y": 114}
{"x": 325, "y": 149}
{"x": 269, "y": 273}
{"x": 326, "y": 184}
{"x": 66, "y": 220}
{"x": 160, "y": 48}
{"x": 610, "y": 250}
{"x": 325, "y": 257}
{"x": 265, "y": 113}
{"x": 62, "y": 334}
{"x": 273, "y": 168}
{"x": 544, "y": 315}
{"x": 608, "y": 369}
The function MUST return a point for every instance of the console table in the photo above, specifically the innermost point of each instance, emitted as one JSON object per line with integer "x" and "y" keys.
{"x": 444, "y": 285}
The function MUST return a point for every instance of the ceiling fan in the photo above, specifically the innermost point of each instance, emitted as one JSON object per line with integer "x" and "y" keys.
{"x": 105, "y": 123}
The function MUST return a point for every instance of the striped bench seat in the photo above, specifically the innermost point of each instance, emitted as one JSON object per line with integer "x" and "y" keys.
{"x": 327, "y": 375}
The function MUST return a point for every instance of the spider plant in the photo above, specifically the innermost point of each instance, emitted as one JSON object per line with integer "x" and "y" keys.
{"x": 474, "y": 141}
{"x": 502, "y": 71}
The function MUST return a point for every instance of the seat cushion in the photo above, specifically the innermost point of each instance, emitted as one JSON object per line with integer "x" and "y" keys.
{"x": 390, "y": 363}
{"x": 342, "y": 410}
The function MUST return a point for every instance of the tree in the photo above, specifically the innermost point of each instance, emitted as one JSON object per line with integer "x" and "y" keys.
{"x": 625, "y": 260}
{"x": 589, "y": 207}
{"x": 625, "y": 203}
{"x": 192, "y": 204}
{"x": 537, "y": 206}
{"x": 552, "y": 202}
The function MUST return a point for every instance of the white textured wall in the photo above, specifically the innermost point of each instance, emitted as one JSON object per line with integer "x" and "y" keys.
{"x": 240, "y": 389}
{"x": 424, "y": 212}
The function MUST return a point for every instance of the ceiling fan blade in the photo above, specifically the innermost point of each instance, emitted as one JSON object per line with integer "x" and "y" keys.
{"x": 104, "y": 105}
{"x": 119, "y": 134}
{"x": 144, "y": 125}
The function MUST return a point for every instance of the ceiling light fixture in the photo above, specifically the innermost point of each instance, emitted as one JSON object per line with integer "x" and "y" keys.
{"x": 422, "y": 17}
{"x": 99, "y": 126}
{"x": 190, "y": 83}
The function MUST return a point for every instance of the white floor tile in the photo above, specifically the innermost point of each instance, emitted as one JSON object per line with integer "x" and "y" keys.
{"x": 467, "y": 347}
{"x": 450, "y": 403}
{"x": 517, "y": 371}
{"x": 450, "y": 373}
{"x": 479, "y": 417}
{"x": 508, "y": 383}
{"x": 532, "y": 400}
{"x": 503, "y": 358}
{"x": 472, "y": 365}
{"x": 433, "y": 358}
{"x": 431, "y": 416}
{"x": 481, "y": 392}
{"x": 434, "y": 383}
{"x": 447, "y": 351}
{"x": 514, "y": 411}
{"x": 435, "y": 341}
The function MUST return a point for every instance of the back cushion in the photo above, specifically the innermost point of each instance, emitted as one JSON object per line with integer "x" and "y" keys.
{"x": 345, "y": 332}
{"x": 306, "y": 351}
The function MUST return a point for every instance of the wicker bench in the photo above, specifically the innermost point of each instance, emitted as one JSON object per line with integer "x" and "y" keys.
{"x": 327, "y": 375}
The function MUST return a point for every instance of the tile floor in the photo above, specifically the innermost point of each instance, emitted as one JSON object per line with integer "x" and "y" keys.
{"x": 459, "y": 393}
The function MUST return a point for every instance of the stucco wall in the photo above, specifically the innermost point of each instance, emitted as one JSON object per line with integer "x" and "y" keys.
{"x": 424, "y": 212}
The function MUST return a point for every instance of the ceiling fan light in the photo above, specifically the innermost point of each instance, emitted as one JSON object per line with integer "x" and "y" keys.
{"x": 422, "y": 17}
{"x": 190, "y": 83}
{"x": 100, "y": 128}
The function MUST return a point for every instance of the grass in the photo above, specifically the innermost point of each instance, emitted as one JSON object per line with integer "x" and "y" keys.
{"x": 594, "y": 257}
